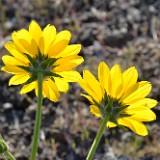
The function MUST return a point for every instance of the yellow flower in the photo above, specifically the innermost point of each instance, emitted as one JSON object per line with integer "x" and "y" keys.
{"x": 121, "y": 95}
{"x": 45, "y": 51}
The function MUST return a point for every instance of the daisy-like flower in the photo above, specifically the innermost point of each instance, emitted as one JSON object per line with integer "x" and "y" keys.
{"x": 44, "y": 51}
{"x": 119, "y": 94}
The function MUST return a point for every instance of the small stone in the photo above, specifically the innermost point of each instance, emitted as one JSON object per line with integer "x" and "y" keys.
{"x": 7, "y": 105}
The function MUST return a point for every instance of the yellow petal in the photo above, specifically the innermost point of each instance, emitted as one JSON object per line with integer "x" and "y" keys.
{"x": 50, "y": 90}
{"x": 61, "y": 42}
{"x": 70, "y": 76}
{"x": 48, "y": 37}
{"x": 29, "y": 87}
{"x": 19, "y": 47}
{"x": 9, "y": 60}
{"x": 95, "y": 110}
{"x": 129, "y": 91}
{"x": 61, "y": 84}
{"x": 12, "y": 49}
{"x": 70, "y": 50}
{"x": 104, "y": 77}
{"x": 130, "y": 77}
{"x": 135, "y": 126}
{"x": 13, "y": 69}
{"x": 67, "y": 63}
{"x": 88, "y": 97}
{"x": 89, "y": 90}
{"x": 91, "y": 86}
{"x": 147, "y": 102}
{"x": 116, "y": 78}
{"x": 144, "y": 89}
{"x": 35, "y": 31}
{"x": 111, "y": 124}
{"x": 30, "y": 48}
{"x": 24, "y": 42}
{"x": 141, "y": 113}
{"x": 19, "y": 79}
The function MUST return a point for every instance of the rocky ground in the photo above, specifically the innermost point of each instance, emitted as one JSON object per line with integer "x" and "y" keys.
{"x": 115, "y": 31}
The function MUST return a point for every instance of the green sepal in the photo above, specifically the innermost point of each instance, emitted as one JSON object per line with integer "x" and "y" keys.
{"x": 106, "y": 97}
{"x": 25, "y": 68}
{"x": 125, "y": 115}
{"x": 49, "y": 73}
{"x": 97, "y": 104}
{"x": 121, "y": 108}
{"x": 31, "y": 59}
{"x": 39, "y": 55}
{"x": 109, "y": 106}
{"x": 30, "y": 80}
{"x": 48, "y": 62}
{"x": 114, "y": 120}
{"x": 101, "y": 108}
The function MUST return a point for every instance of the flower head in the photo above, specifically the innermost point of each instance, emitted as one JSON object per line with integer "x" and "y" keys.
{"x": 44, "y": 51}
{"x": 121, "y": 95}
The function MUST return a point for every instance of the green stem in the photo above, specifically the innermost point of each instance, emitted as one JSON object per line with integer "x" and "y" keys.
{"x": 98, "y": 137}
{"x": 38, "y": 118}
{"x": 9, "y": 155}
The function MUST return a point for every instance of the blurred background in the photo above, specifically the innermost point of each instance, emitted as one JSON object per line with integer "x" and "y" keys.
{"x": 115, "y": 31}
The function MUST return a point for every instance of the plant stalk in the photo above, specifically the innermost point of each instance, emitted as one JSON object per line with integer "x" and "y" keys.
{"x": 38, "y": 118}
{"x": 9, "y": 155}
{"x": 98, "y": 137}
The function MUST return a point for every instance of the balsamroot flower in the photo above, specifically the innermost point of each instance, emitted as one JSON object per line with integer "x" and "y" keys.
{"x": 44, "y": 51}
{"x": 121, "y": 95}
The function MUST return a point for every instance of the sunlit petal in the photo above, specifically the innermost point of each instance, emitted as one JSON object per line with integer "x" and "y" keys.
{"x": 91, "y": 85}
{"x": 19, "y": 79}
{"x": 95, "y": 110}
{"x": 35, "y": 31}
{"x": 147, "y": 102}
{"x": 61, "y": 42}
{"x": 70, "y": 76}
{"x": 61, "y": 84}
{"x": 67, "y": 63}
{"x": 13, "y": 69}
{"x": 130, "y": 77}
{"x": 29, "y": 87}
{"x": 104, "y": 77}
{"x": 13, "y": 50}
{"x": 116, "y": 78}
{"x": 47, "y": 38}
{"x": 111, "y": 124}
{"x": 144, "y": 89}
{"x": 134, "y": 125}
{"x": 70, "y": 50}
{"x": 10, "y": 60}
{"x": 50, "y": 90}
